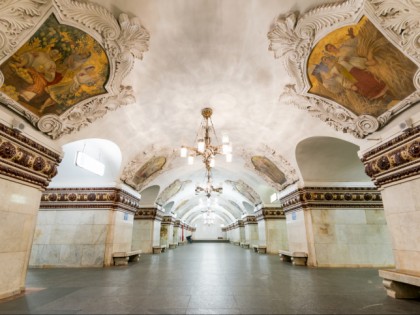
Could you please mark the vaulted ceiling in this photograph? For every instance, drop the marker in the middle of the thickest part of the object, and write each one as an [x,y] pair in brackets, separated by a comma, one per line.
[221,54]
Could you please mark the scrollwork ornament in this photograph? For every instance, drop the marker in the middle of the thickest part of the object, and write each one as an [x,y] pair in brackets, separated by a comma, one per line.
[366,124]
[124,40]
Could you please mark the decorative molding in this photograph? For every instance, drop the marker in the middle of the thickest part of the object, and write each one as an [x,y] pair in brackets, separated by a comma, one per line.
[23,159]
[170,191]
[238,224]
[331,198]
[282,164]
[123,40]
[177,223]
[270,213]
[245,190]
[293,37]
[149,213]
[168,220]
[394,160]
[250,219]
[89,198]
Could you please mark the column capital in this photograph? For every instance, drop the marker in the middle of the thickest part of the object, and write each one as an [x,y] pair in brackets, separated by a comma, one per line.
[394,160]
[332,197]
[149,213]
[89,198]
[270,213]
[24,160]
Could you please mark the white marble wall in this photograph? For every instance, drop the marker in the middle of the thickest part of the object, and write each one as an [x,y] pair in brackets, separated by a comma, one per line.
[164,235]
[296,232]
[18,211]
[242,234]
[402,210]
[251,234]
[80,238]
[276,235]
[208,232]
[146,234]
[262,237]
[351,238]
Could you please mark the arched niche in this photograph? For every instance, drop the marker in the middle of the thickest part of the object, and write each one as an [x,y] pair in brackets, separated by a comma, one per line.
[103,151]
[149,195]
[168,207]
[248,207]
[327,159]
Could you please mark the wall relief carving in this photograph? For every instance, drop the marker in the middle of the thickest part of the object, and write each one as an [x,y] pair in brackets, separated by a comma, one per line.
[345,59]
[62,62]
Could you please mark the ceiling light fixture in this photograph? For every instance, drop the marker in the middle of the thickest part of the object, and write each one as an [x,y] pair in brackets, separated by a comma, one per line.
[208,151]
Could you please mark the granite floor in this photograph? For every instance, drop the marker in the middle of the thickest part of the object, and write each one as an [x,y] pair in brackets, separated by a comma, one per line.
[206,278]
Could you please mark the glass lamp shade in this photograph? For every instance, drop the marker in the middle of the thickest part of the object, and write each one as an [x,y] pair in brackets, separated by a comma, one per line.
[184,152]
[200,145]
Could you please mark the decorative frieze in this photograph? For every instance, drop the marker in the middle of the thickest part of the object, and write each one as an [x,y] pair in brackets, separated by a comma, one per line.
[168,220]
[23,159]
[250,219]
[177,223]
[270,213]
[88,198]
[151,213]
[394,160]
[332,197]
[238,224]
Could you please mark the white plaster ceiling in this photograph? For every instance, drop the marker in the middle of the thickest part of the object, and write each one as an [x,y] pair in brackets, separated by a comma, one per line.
[209,53]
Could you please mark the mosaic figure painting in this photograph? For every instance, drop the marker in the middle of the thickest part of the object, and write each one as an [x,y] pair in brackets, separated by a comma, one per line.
[58,67]
[360,69]
[152,166]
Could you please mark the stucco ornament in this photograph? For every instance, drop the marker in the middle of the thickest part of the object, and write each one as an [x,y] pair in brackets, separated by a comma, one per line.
[123,40]
[279,161]
[170,191]
[245,190]
[293,39]
[151,163]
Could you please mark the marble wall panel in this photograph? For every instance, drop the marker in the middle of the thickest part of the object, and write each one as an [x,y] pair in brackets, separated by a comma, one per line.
[276,234]
[343,237]
[296,232]
[142,235]
[18,211]
[251,234]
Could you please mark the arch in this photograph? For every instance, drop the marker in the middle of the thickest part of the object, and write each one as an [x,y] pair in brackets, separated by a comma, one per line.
[168,207]
[149,195]
[248,207]
[104,151]
[328,159]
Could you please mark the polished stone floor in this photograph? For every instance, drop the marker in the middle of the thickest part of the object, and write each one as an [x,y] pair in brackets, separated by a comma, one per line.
[207,278]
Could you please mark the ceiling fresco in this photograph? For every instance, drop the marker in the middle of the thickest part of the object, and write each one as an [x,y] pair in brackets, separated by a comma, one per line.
[58,67]
[359,68]
[267,167]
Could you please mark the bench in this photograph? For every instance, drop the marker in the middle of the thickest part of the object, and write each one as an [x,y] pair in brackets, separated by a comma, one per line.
[401,284]
[235,243]
[244,245]
[260,249]
[159,249]
[173,245]
[297,258]
[122,258]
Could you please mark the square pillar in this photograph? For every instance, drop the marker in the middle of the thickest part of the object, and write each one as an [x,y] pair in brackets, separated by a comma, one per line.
[146,231]
[272,229]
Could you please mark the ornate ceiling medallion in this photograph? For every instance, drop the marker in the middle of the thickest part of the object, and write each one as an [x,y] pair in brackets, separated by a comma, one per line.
[356,63]
[62,62]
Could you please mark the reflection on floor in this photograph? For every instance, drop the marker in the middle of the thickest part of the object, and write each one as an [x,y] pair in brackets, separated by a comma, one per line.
[206,278]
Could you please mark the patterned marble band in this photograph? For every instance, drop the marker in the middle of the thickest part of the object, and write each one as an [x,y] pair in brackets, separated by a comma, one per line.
[270,213]
[151,213]
[26,160]
[83,198]
[239,223]
[394,160]
[332,197]
[177,223]
[250,219]
[168,220]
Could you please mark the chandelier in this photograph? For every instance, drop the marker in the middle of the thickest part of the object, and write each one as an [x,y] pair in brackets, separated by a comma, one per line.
[204,147]
[208,217]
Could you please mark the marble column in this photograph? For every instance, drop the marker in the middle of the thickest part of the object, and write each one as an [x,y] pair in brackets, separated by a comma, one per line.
[27,165]
[272,229]
[146,230]
[177,232]
[251,230]
[394,166]
[337,226]
[83,227]
[167,230]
